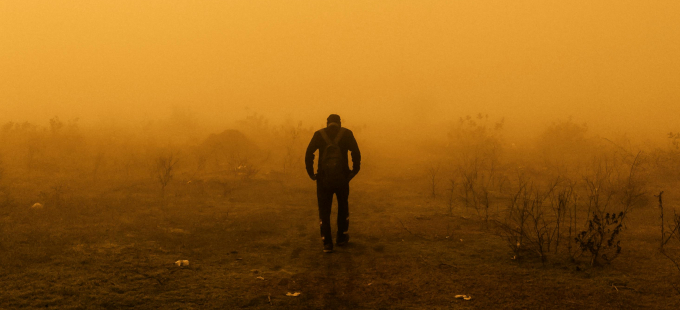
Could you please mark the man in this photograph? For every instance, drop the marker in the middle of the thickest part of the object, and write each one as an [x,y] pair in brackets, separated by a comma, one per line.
[334,139]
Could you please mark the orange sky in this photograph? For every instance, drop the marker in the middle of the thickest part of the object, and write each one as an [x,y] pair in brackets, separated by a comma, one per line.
[613,64]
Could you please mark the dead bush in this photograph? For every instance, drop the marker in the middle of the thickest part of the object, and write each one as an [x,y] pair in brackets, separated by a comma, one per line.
[163,169]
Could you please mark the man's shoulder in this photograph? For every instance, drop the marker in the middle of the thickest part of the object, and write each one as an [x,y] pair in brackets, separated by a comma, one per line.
[346,131]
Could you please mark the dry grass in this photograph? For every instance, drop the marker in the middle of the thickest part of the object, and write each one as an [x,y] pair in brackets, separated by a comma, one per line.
[113,246]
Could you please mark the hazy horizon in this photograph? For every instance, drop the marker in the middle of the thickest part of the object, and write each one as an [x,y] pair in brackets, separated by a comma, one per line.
[610,64]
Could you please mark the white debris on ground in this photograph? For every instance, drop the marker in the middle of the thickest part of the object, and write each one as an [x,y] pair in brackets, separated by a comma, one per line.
[37,205]
[296,294]
[182,263]
[465,297]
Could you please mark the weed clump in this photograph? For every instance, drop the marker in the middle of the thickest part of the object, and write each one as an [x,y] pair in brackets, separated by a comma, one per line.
[601,240]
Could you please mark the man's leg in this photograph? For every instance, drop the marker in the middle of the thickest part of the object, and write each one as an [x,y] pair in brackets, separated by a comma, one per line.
[325,200]
[343,213]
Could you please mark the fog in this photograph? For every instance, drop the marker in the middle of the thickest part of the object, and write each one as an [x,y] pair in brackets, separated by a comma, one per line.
[152,154]
[398,64]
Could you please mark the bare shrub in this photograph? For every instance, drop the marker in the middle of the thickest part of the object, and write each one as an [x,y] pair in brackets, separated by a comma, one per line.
[565,146]
[673,234]
[560,201]
[607,188]
[163,169]
[513,227]
[451,193]
[632,191]
[673,227]
[293,156]
[433,178]
[231,155]
[601,239]
[667,161]
[528,225]
[475,146]
[476,187]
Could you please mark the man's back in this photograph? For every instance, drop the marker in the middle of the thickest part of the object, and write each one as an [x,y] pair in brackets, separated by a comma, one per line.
[330,184]
[347,143]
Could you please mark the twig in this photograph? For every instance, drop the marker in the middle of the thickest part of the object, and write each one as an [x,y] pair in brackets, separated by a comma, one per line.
[404,226]
[677,265]
[662,223]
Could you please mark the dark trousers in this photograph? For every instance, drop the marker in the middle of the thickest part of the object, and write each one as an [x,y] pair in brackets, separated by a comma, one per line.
[325,198]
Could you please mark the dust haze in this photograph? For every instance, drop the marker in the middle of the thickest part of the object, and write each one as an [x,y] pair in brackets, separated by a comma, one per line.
[134,134]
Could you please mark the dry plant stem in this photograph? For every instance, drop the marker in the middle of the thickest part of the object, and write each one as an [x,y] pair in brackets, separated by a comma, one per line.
[632,192]
[572,228]
[486,206]
[163,170]
[433,172]
[674,261]
[662,222]
[291,158]
[676,222]
[675,229]
[513,228]
[563,199]
[529,224]
[452,187]
[665,240]
[407,230]
[572,215]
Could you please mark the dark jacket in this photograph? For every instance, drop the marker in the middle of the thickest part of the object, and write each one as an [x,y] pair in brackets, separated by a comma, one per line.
[346,143]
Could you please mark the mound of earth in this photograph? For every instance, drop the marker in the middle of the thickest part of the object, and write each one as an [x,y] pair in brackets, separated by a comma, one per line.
[228,148]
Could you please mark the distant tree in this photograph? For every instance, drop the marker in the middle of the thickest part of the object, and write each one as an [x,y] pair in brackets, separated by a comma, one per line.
[565,145]
[163,169]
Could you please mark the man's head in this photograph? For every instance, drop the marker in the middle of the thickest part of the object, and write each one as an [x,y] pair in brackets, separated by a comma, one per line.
[333,120]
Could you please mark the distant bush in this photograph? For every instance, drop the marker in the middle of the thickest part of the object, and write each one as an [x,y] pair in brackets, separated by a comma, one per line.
[566,147]
[290,142]
[163,169]
[476,141]
[57,148]
[537,218]
[666,161]
[475,147]
[227,151]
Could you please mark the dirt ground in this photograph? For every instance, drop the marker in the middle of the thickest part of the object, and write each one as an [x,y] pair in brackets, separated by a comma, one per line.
[105,245]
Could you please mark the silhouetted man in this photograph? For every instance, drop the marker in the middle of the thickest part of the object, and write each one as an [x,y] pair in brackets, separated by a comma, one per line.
[333,176]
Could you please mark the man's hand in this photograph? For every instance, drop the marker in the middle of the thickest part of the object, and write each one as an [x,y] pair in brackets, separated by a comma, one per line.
[313,177]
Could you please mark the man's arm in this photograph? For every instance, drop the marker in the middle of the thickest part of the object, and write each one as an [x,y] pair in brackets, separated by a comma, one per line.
[356,155]
[309,156]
